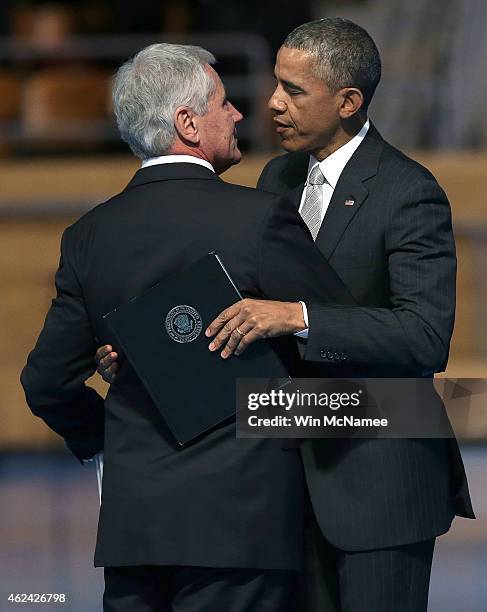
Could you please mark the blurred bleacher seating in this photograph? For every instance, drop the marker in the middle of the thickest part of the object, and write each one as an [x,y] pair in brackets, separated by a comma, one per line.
[65,107]
[57,93]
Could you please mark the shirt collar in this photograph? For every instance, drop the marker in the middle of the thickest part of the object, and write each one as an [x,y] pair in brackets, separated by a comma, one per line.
[174,159]
[333,165]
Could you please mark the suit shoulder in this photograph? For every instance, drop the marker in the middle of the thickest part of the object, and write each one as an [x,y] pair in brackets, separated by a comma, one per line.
[394,159]
[83,230]
[254,210]
[284,172]
[253,198]
[287,161]
[92,216]
[280,161]
[406,182]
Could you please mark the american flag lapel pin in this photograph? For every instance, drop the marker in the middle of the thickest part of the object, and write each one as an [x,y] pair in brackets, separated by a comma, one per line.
[349,202]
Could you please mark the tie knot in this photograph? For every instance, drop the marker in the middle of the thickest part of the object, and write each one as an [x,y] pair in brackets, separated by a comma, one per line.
[316,176]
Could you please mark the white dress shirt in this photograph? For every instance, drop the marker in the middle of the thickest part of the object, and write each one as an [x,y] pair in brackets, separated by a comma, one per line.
[174,159]
[331,167]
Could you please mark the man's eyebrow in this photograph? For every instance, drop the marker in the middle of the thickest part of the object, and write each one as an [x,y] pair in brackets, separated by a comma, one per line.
[291,85]
[288,84]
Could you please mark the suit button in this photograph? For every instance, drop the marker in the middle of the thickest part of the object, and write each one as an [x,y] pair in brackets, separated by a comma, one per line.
[330,355]
[336,356]
[344,357]
[323,353]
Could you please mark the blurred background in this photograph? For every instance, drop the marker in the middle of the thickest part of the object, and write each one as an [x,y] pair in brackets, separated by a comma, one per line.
[60,154]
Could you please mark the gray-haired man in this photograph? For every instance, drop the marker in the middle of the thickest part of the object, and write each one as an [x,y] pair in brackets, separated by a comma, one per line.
[215,526]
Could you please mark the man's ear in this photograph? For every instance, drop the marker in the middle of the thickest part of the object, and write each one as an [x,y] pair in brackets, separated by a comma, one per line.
[185,124]
[352,102]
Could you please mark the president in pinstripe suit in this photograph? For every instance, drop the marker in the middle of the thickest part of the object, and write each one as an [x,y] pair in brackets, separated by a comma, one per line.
[384,224]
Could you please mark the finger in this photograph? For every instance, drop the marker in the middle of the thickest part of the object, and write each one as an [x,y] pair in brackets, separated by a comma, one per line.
[226,315]
[237,338]
[223,336]
[250,338]
[109,374]
[107,361]
[103,351]
[216,325]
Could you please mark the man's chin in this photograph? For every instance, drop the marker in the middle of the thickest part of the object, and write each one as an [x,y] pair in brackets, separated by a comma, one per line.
[289,144]
[224,165]
[237,156]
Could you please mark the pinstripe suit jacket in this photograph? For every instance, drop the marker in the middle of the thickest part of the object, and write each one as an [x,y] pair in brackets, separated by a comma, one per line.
[395,252]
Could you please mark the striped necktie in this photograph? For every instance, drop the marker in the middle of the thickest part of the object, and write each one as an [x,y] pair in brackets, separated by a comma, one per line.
[313,203]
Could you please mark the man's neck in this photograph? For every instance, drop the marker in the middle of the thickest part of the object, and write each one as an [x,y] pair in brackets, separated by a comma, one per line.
[179,148]
[346,131]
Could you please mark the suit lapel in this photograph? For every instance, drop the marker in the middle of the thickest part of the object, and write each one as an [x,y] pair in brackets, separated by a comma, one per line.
[339,214]
[350,192]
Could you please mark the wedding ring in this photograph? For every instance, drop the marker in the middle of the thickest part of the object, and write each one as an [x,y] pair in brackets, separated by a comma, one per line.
[240,332]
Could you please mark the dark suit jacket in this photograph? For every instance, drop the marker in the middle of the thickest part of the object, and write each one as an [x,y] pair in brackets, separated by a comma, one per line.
[395,252]
[220,502]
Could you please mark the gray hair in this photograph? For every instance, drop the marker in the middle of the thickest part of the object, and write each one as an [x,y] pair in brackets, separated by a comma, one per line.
[148,88]
[345,55]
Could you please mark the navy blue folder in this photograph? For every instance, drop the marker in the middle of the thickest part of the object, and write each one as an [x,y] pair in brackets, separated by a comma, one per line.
[162,334]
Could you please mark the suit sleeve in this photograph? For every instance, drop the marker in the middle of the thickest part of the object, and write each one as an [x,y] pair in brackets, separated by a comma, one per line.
[290,266]
[414,333]
[63,358]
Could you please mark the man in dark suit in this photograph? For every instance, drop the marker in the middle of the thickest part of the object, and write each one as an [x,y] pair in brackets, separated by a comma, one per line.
[215,526]
[384,224]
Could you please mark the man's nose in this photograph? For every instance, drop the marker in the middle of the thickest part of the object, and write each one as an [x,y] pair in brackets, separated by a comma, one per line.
[276,102]
[237,115]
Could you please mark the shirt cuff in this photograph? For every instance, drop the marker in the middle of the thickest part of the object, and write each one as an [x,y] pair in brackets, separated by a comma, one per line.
[304,332]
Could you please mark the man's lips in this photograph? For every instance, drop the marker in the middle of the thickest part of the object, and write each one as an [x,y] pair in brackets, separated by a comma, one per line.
[281,126]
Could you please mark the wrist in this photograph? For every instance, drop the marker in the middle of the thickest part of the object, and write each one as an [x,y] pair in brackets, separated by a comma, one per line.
[297,321]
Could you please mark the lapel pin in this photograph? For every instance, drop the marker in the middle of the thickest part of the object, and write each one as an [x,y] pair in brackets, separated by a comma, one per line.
[349,202]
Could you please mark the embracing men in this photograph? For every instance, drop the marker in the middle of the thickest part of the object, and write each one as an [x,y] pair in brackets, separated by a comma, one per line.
[218,525]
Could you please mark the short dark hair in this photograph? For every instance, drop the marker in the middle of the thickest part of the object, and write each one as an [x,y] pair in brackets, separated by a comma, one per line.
[345,54]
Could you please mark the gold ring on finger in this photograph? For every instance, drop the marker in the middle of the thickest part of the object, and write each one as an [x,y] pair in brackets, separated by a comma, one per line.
[240,332]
